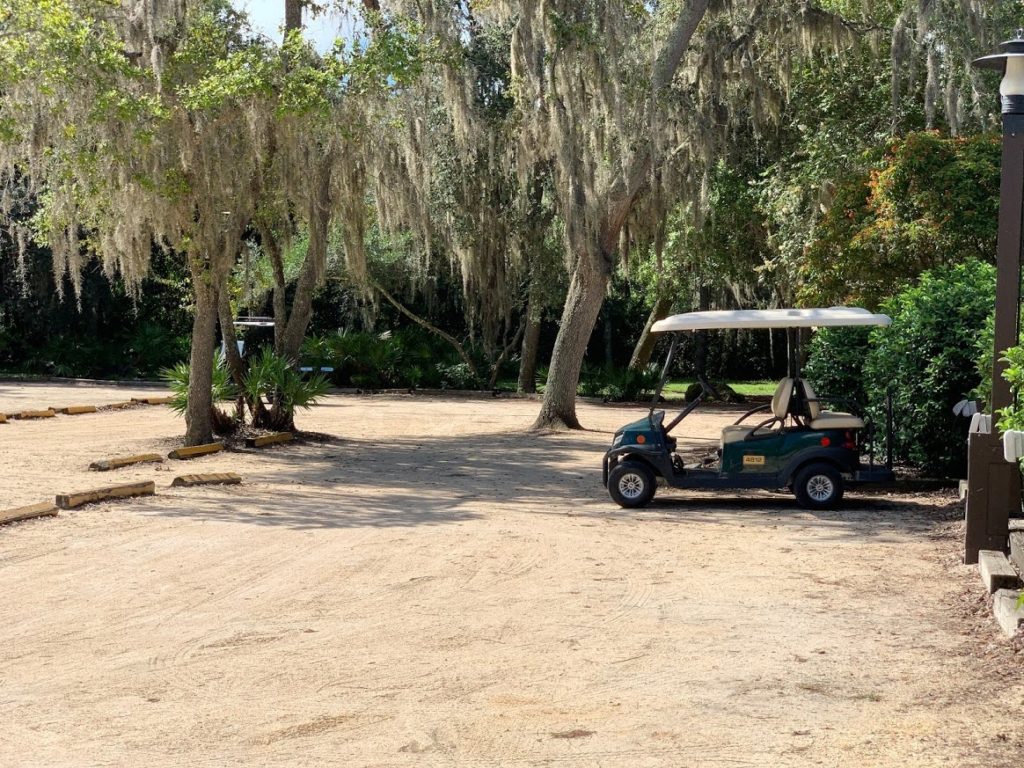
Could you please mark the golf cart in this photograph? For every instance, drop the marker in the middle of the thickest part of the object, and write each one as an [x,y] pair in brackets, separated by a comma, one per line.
[790,443]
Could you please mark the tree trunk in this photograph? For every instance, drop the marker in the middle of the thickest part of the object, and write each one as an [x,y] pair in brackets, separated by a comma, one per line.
[528,364]
[234,358]
[272,248]
[312,268]
[505,352]
[582,306]
[592,271]
[199,412]
[227,332]
[700,356]
[645,344]
[609,350]
[292,15]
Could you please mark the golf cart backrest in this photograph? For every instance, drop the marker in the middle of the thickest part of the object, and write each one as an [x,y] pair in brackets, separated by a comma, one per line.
[782,398]
[809,396]
[821,419]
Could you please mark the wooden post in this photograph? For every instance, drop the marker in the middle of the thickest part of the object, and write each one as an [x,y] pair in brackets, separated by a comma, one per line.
[993,484]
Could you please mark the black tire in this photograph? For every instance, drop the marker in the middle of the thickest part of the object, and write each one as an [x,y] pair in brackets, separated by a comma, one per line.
[631,484]
[818,486]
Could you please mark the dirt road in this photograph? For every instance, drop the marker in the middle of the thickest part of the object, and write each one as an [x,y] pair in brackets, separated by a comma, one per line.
[433,585]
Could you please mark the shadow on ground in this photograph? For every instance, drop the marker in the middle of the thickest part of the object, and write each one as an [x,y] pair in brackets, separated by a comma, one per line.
[344,483]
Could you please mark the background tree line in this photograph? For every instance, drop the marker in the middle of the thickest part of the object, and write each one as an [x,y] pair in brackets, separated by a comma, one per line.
[462,194]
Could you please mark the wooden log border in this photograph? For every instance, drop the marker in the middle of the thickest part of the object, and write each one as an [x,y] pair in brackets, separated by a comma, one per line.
[215,478]
[193,451]
[44,414]
[105,465]
[78,498]
[75,410]
[45,509]
[164,400]
[273,439]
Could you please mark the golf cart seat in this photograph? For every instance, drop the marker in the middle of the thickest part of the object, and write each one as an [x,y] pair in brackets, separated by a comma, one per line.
[820,419]
[780,410]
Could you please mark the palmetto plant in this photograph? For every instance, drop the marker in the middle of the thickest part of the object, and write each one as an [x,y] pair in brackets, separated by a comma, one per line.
[273,388]
[224,390]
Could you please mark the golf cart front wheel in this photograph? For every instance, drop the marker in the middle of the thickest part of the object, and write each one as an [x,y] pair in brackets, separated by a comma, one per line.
[631,484]
[818,486]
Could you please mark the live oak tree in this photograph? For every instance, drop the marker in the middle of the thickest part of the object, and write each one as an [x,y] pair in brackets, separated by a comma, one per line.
[138,125]
[634,103]
[445,173]
[625,106]
[110,126]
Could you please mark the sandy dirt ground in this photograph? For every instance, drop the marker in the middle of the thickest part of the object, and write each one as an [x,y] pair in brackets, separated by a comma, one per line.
[430,584]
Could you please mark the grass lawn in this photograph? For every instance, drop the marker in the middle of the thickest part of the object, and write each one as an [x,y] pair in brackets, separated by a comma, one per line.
[678,388]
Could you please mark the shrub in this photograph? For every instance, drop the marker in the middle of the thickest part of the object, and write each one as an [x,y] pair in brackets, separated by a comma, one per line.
[928,201]
[272,388]
[927,359]
[408,357]
[835,363]
[456,376]
[618,384]
[1013,416]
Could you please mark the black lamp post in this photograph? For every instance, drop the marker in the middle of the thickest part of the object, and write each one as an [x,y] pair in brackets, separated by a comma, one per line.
[993,484]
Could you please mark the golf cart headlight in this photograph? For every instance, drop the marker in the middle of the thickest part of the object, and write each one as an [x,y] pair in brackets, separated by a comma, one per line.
[618,439]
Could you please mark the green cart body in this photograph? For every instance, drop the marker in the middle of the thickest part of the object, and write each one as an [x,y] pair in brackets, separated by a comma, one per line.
[814,452]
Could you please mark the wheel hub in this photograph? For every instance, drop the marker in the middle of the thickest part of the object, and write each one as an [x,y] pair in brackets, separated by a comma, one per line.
[820,488]
[631,485]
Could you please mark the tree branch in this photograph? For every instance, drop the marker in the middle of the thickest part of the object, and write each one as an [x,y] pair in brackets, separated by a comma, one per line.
[424,323]
[507,351]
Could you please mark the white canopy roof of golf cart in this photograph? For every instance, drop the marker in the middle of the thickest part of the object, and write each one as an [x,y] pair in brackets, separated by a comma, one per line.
[770,318]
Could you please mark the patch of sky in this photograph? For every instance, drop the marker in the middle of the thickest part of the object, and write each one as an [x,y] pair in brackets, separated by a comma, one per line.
[322,29]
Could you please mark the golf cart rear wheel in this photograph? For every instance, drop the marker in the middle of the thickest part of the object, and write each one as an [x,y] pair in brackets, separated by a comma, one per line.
[631,484]
[818,486]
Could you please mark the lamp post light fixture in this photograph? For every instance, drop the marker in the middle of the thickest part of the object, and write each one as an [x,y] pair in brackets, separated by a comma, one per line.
[993,484]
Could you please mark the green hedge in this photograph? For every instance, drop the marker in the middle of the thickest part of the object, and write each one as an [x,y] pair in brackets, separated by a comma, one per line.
[927,358]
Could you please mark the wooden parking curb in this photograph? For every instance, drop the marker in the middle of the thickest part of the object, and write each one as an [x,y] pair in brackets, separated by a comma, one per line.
[105,465]
[121,406]
[153,400]
[3,418]
[216,478]
[45,509]
[74,410]
[47,414]
[265,440]
[195,450]
[996,571]
[1009,616]
[1017,548]
[78,498]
